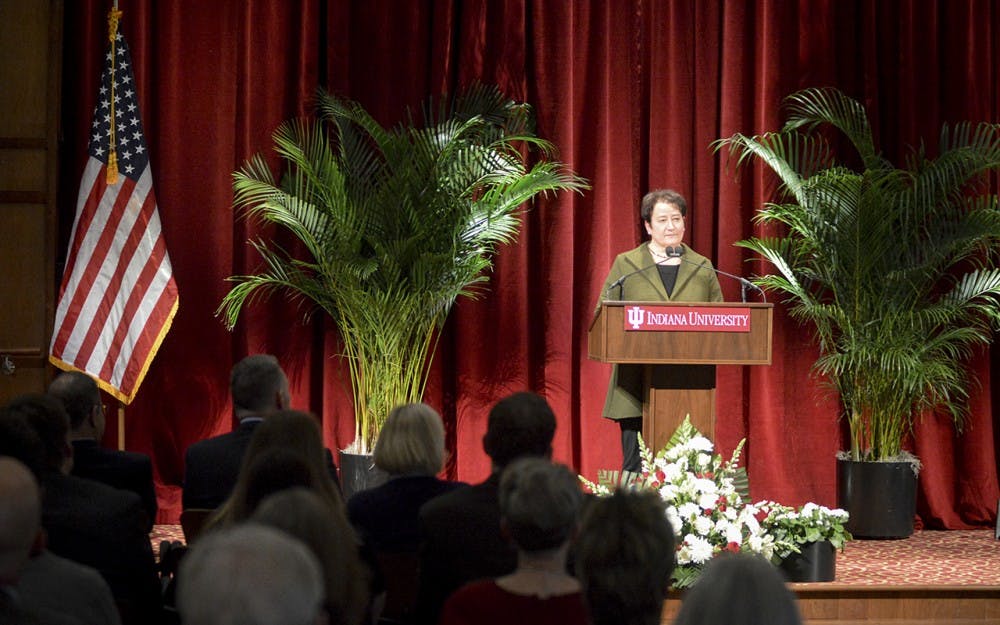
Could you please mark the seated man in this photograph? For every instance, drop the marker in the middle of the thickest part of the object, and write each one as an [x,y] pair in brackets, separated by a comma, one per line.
[86,521]
[250,575]
[54,589]
[461,533]
[122,469]
[258,386]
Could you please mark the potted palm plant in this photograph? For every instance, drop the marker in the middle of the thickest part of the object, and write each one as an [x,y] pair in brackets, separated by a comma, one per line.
[894,268]
[391,227]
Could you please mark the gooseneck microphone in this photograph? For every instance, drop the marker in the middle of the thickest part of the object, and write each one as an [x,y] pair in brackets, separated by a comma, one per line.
[678,252]
[620,282]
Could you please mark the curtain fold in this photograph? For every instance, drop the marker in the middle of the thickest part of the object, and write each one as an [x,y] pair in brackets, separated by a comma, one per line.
[633,93]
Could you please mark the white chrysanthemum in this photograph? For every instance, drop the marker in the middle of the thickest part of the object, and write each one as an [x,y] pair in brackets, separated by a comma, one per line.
[731,513]
[668,492]
[700,550]
[675,520]
[672,472]
[683,555]
[706,486]
[734,534]
[700,443]
[704,525]
[708,501]
[688,510]
[704,460]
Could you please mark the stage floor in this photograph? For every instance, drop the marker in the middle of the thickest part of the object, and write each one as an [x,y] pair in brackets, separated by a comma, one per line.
[928,558]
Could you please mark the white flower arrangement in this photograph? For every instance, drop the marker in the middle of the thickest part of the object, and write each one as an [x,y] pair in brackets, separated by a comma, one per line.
[708,505]
[792,528]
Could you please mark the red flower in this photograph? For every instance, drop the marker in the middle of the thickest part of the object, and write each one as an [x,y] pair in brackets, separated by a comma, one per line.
[733,547]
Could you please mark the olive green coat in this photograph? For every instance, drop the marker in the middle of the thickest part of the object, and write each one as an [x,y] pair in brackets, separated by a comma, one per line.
[696,282]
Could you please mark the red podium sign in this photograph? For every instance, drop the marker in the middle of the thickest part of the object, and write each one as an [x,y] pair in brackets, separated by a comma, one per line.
[647,318]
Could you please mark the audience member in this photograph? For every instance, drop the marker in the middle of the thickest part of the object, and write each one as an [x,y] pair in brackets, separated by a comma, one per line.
[410,450]
[461,534]
[250,575]
[87,521]
[290,430]
[324,529]
[20,516]
[624,556]
[54,589]
[739,589]
[539,504]
[258,386]
[122,469]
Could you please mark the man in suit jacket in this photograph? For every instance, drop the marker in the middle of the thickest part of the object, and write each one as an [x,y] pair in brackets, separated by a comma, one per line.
[461,529]
[86,521]
[127,470]
[663,269]
[258,386]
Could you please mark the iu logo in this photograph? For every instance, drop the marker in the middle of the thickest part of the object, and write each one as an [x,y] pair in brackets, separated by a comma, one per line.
[635,316]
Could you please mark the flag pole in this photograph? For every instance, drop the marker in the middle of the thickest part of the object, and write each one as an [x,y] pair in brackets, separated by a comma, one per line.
[121,426]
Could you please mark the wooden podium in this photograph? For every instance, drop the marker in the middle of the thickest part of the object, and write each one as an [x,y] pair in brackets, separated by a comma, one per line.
[739,334]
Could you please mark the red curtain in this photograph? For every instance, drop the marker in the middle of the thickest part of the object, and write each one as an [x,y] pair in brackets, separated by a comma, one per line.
[633,93]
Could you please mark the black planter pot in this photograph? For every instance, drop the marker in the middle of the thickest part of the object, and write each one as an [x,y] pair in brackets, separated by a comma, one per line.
[358,472]
[881,497]
[817,562]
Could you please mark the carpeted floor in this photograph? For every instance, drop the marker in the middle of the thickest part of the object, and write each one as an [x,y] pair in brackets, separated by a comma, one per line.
[945,558]
[952,558]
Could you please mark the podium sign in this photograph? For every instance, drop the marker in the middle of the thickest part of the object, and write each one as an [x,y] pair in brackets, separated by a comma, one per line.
[690,339]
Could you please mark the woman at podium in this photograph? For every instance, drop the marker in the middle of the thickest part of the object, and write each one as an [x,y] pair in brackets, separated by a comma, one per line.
[661,269]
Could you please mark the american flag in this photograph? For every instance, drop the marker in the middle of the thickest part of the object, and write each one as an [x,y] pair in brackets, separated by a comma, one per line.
[118,295]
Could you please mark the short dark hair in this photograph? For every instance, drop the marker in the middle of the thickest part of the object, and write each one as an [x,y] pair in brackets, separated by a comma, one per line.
[521,424]
[739,589]
[78,393]
[657,196]
[255,381]
[19,440]
[47,417]
[539,503]
[624,557]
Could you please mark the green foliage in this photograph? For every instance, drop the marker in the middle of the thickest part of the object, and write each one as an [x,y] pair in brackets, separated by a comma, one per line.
[895,268]
[392,226]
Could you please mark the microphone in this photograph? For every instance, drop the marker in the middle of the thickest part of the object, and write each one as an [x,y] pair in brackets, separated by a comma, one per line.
[620,282]
[678,252]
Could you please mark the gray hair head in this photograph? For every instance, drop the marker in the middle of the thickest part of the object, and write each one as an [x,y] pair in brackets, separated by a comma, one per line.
[249,575]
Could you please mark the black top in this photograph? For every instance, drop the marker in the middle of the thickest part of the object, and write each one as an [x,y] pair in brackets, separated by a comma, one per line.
[668,274]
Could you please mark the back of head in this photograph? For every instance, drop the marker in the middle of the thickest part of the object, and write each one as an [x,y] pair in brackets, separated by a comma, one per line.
[78,393]
[255,383]
[739,589]
[19,440]
[411,441]
[539,503]
[249,575]
[624,557]
[521,424]
[48,419]
[326,531]
[276,470]
[298,434]
[20,517]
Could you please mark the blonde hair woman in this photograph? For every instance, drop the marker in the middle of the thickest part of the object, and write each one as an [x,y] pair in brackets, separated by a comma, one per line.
[410,449]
